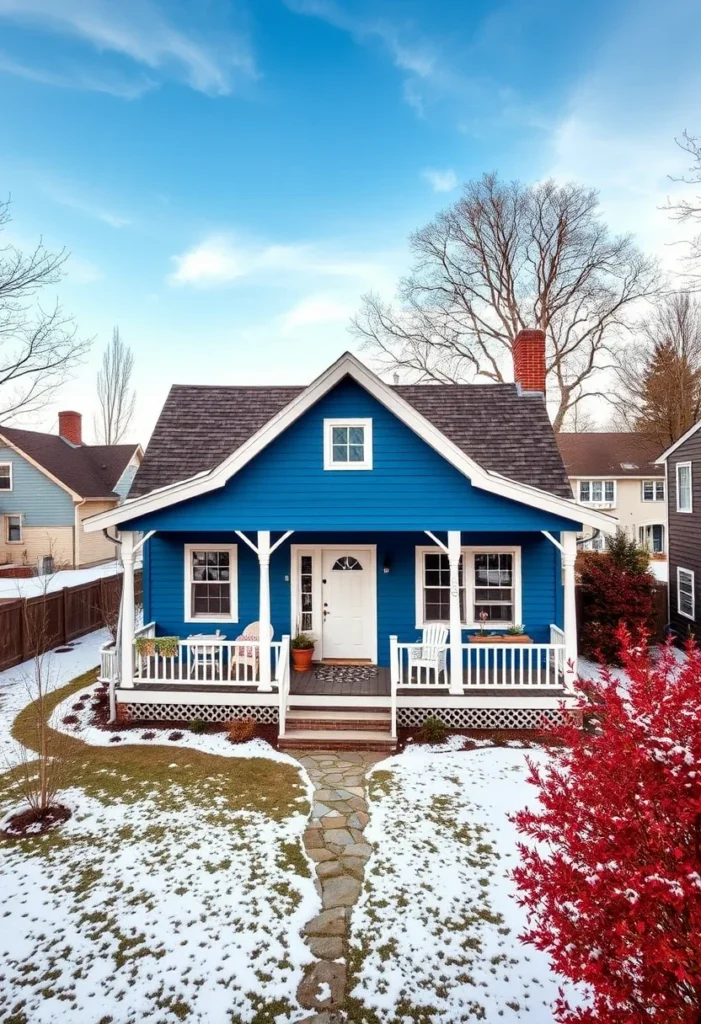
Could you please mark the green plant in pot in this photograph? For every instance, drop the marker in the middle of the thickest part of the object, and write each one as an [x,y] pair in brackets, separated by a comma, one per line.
[302,647]
[145,646]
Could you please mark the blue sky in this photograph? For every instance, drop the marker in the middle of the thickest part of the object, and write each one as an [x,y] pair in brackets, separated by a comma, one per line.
[232,175]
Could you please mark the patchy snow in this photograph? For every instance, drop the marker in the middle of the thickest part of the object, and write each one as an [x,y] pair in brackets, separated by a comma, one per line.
[437,924]
[37,585]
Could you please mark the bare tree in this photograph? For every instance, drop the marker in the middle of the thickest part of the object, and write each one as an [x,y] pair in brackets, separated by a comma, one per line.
[659,376]
[688,211]
[114,392]
[505,257]
[38,346]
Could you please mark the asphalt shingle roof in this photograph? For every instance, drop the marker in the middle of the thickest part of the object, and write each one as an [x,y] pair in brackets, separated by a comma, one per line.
[610,454]
[497,426]
[92,471]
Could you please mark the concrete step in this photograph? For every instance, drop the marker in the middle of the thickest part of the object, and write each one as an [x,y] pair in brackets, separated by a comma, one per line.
[337,739]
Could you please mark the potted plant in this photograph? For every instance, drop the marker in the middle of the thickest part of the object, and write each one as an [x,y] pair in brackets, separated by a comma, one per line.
[145,646]
[167,646]
[302,647]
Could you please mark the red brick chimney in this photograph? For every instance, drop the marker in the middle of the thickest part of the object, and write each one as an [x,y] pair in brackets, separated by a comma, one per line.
[70,426]
[529,360]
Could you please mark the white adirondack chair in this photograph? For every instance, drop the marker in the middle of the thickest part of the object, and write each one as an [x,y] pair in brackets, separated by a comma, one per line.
[247,656]
[431,655]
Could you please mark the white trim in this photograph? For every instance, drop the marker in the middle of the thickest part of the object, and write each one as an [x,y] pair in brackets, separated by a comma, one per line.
[233,615]
[366,424]
[8,517]
[648,526]
[6,490]
[677,467]
[316,550]
[680,441]
[59,483]
[654,480]
[616,476]
[692,574]
[348,365]
[468,581]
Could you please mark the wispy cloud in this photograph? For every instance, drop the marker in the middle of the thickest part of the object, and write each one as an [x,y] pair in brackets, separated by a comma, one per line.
[79,78]
[67,196]
[135,29]
[316,309]
[441,181]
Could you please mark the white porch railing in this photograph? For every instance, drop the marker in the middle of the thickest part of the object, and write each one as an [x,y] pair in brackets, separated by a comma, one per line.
[206,660]
[282,680]
[109,662]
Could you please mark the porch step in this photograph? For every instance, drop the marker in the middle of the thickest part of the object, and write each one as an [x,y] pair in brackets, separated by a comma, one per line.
[338,719]
[337,739]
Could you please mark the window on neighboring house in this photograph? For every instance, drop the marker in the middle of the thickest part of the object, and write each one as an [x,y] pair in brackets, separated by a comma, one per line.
[651,536]
[5,476]
[210,582]
[595,491]
[686,598]
[14,529]
[653,490]
[597,542]
[684,498]
[347,444]
[487,581]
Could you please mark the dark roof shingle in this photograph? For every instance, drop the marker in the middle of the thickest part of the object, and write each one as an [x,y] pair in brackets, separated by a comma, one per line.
[92,471]
[501,429]
[610,454]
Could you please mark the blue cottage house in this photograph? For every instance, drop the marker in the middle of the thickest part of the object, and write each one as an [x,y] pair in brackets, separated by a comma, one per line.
[423,535]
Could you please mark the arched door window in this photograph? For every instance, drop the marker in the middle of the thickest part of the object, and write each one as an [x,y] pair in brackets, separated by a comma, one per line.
[346,563]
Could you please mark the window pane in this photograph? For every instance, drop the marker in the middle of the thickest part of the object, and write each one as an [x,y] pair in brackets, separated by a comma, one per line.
[495,612]
[306,564]
[340,453]
[357,453]
[596,490]
[584,491]
[356,435]
[659,490]
[608,490]
[339,435]
[4,478]
[647,490]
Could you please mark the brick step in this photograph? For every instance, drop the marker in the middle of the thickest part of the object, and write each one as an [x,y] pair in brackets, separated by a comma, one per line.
[339,719]
[337,739]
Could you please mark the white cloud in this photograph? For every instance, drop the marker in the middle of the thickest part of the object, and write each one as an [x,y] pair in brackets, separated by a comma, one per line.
[441,181]
[316,309]
[133,29]
[114,85]
[95,210]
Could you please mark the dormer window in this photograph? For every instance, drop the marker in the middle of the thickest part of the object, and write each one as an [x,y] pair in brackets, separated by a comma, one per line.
[348,444]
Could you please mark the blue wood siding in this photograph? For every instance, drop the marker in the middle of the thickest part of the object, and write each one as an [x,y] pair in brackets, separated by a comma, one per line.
[40,500]
[411,487]
[164,582]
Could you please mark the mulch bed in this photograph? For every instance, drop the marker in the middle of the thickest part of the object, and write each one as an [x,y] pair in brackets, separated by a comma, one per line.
[30,823]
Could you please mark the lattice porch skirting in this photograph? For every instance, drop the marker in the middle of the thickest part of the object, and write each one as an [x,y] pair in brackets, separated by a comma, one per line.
[266,715]
[480,718]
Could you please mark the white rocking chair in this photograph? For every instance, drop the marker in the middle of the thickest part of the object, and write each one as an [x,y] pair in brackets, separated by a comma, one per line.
[248,657]
[431,655]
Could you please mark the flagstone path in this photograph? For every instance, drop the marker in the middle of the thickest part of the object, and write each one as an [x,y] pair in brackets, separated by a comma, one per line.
[334,841]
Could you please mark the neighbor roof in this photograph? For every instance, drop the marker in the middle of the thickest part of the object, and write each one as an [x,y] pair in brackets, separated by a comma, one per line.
[496,425]
[91,471]
[611,454]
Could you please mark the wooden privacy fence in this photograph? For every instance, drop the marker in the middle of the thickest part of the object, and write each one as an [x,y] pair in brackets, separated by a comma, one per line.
[661,616]
[30,626]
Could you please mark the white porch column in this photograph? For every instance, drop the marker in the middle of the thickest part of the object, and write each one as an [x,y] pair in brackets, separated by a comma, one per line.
[264,684]
[127,637]
[454,552]
[569,555]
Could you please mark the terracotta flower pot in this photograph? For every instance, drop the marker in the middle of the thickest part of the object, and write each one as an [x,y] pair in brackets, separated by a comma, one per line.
[302,659]
[506,638]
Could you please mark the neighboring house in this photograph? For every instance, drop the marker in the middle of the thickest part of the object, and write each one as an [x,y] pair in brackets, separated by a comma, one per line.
[361,513]
[618,472]
[50,484]
[681,463]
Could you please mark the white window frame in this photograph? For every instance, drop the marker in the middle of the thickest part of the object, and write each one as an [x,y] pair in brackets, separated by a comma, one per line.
[690,573]
[8,517]
[6,490]
[656,482]
[685,465]
[233,615]
[644,527]
[468,554]
[328,446]
[601,501]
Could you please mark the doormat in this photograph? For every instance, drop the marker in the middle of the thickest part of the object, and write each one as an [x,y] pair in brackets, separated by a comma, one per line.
[345,673]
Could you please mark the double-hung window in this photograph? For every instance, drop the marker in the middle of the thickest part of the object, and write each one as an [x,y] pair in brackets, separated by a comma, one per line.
[210,583]
[14,529]
[684,478]
[653,490]
[488,587]
[597,491]
[686,594]
[348,444]
[651,536]
[5,476]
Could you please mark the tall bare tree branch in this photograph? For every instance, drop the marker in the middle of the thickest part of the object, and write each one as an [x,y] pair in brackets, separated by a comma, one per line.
[688,211]
[505,257]
[114,392]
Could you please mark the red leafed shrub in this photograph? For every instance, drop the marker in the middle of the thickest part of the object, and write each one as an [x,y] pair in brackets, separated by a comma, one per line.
[613,887]
[240,730]
[616,588]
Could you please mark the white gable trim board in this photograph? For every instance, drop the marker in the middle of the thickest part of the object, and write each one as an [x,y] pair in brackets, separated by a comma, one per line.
[348,365]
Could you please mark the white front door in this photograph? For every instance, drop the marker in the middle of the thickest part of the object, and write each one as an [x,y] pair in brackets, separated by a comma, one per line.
[347,589]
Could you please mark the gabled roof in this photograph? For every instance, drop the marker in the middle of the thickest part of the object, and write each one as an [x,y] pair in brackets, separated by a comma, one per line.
[680,441]
[87,471]
[209,474]
[610,454]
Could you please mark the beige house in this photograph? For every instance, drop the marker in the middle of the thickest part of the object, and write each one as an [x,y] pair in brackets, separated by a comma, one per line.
[617,473]
[49,485]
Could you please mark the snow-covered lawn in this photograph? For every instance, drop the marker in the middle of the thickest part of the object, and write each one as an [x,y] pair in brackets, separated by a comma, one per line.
[435,933]
[37,585]
[177,890]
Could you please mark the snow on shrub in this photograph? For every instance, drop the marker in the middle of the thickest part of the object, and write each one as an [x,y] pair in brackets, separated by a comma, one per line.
[612,883]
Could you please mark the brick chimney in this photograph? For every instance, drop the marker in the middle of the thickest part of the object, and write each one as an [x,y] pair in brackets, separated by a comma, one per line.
[529,360]
[70,426]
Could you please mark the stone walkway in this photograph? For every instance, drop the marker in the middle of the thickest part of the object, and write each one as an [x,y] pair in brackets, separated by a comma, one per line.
[334,841]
